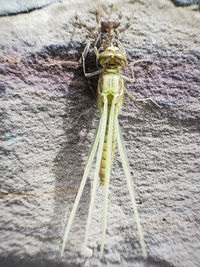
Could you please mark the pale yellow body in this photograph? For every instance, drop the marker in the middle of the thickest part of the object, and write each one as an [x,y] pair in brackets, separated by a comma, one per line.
[109,102]
[110,84]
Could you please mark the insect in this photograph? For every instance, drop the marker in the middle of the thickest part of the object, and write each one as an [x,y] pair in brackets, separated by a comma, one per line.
[107,30]
[109,101]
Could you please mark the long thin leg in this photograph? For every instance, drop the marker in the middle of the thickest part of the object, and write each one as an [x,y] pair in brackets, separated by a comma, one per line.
[60,63]
[120,45]
[82,185]
[96,174]
[97,55]
[97,40]
[132,79]
[136,62]
[82,113]
[84,55]
[98,72]
[128,79]
[128,24]
[98,15]
[149,99]
[90,29]
[87,47]
[107,174]
[125,165]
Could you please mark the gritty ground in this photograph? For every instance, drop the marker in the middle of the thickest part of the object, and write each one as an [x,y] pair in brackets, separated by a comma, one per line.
[43,152]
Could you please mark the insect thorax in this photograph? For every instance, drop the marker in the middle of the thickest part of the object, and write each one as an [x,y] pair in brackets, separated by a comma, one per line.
[110,85]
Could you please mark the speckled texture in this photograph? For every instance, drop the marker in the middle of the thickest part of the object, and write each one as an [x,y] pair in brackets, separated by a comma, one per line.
[42,150]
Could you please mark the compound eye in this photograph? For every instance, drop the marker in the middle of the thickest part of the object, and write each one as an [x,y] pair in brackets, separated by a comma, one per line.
[104,25]
[116,24]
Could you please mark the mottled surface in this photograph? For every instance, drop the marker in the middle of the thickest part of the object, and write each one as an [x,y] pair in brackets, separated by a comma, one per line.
[42,150]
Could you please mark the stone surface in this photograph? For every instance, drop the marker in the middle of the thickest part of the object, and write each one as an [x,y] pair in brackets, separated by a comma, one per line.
[43,152]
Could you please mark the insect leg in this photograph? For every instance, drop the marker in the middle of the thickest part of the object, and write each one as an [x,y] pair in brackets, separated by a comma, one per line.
[139,61]
[98,15]
[82,185]
[128,79]
[60,63]
[136,62]
[96,49]
[96,42]
[149,99]
[84,55]
[107,173]
[82,114]
[93,73]
[128,24]
[125,164]
[90,29]
[120,45]
[96,174]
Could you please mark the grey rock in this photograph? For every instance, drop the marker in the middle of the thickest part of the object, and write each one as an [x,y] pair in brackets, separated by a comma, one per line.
[43,153]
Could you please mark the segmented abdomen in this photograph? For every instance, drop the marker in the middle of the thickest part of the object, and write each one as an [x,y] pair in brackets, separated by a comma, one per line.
[103,159]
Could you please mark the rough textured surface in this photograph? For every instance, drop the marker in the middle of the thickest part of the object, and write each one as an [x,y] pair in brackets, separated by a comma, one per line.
[42,150]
